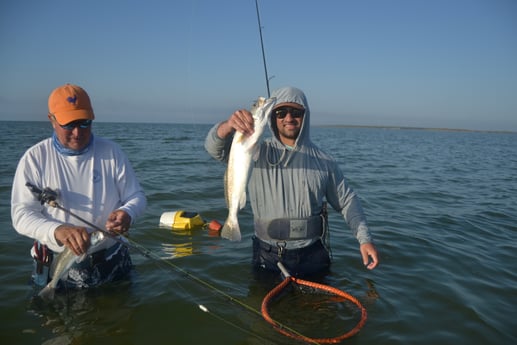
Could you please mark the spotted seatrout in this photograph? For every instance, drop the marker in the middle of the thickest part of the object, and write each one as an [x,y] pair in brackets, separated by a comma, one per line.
[239,167]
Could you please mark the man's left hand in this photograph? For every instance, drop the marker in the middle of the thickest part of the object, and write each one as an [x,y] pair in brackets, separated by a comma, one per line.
[118,221]
[370,255]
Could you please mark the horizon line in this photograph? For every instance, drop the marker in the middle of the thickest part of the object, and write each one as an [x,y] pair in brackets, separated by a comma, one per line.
[318,125]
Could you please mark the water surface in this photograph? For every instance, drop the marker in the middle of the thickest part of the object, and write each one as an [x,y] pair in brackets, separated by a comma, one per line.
[442,206]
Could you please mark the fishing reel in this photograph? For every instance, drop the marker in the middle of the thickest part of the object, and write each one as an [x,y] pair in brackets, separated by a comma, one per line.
[46,195]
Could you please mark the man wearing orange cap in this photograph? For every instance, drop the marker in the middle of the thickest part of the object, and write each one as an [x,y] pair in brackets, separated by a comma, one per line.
[93,179]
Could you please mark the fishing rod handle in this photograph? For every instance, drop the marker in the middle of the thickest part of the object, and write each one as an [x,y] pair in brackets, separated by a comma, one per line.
[284,270]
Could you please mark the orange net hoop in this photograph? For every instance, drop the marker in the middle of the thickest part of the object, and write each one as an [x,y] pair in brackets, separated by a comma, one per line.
[293,334]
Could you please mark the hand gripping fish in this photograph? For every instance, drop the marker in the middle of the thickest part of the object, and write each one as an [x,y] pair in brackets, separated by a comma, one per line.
[62,264]
[239,167]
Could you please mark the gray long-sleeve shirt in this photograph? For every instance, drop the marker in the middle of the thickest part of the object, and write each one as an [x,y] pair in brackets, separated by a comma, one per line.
[294,182]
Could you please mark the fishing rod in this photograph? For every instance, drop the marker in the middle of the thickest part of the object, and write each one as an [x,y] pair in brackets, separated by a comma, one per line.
[262,46]
[49,196]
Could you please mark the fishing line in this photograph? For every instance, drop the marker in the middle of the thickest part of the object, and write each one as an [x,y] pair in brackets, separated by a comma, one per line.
[48,196]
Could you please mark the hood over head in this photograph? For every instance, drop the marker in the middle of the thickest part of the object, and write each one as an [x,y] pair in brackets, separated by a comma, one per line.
[290,94]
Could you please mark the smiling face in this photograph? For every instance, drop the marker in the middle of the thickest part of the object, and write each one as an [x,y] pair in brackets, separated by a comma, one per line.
[288,118]
[75,136]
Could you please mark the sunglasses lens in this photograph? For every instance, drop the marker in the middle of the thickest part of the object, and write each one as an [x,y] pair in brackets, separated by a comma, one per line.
[81,124]
[85,124]
[297,112]
[282,112]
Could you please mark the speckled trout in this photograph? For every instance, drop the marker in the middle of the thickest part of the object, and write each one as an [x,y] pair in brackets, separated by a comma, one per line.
[62,264]
[239,167]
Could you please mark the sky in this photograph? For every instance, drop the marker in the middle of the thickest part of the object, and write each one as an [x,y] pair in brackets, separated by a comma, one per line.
[408,63]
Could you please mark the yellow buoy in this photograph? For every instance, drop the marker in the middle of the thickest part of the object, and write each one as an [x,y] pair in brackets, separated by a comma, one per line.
[182,220]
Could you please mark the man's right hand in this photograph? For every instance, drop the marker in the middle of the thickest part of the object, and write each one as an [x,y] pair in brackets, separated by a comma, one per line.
[240,121]
[74,237]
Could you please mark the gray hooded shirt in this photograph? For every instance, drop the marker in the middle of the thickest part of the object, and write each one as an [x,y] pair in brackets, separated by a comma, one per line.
[293,182]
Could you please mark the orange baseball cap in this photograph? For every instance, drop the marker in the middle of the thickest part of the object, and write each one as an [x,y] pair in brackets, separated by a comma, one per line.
[70,103]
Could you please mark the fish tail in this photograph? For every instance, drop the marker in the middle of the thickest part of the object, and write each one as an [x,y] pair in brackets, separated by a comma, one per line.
[48,292]
[231,230]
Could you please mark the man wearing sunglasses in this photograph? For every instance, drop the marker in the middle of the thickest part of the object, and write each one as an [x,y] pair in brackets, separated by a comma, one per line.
[291,182]
[92,178]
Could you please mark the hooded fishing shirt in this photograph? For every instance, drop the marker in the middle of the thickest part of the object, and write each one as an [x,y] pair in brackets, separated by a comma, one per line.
[91,185]
[294,182]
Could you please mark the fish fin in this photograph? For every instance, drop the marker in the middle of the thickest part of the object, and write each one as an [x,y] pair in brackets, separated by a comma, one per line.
[242,200]
[231,231]
[48,292]
[255,153]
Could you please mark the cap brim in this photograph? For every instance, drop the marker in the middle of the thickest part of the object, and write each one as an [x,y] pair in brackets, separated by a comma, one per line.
[66,117]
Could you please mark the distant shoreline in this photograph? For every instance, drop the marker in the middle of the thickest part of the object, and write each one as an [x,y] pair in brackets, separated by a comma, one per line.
[322,126]
[417,128]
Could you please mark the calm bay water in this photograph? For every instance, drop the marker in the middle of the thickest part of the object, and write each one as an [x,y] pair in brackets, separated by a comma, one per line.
[442,206]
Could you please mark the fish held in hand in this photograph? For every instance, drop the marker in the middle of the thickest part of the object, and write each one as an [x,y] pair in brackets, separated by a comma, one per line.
[62,264]
[239,167]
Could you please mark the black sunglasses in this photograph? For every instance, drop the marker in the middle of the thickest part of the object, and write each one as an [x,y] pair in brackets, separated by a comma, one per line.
[282,112]
[81,124]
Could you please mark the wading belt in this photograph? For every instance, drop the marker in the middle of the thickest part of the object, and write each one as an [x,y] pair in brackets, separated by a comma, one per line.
[289,229]
[283,230]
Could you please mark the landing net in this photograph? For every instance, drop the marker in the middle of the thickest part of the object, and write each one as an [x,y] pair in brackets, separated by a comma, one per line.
[316,288]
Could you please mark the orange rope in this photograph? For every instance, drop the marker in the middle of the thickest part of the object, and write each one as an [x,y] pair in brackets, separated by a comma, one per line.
[292,334]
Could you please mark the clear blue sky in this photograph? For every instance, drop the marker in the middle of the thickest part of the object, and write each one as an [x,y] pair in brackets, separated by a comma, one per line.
[425,63]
